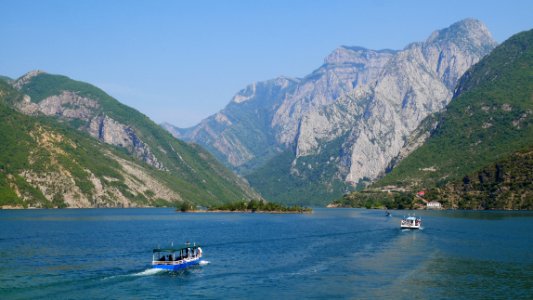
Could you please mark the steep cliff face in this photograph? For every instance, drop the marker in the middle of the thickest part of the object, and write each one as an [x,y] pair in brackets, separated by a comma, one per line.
[480,151]
[489,118]
[369,102]
[241,134]
[264,118]
[68,105]
[112,132]
[415,83]
[344,70]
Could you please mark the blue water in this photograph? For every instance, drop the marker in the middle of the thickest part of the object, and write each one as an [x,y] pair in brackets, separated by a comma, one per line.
[332,253]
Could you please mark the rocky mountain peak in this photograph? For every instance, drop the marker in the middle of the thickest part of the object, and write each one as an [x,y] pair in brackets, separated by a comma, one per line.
[250,91]
[468,32]
[349,118]
[452,50]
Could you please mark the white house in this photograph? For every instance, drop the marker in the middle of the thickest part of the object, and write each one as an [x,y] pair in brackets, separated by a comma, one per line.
[434,205]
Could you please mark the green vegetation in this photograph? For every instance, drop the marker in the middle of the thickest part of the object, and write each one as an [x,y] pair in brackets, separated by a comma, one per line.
[506,184]
[5,78]
[7,195]
[186,206]
[190,171]
[311,181]
[20,151]
[377,199]
[259,206]
[489,119]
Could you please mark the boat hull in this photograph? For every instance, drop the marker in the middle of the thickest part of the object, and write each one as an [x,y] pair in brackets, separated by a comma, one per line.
[410,227]
[175,266]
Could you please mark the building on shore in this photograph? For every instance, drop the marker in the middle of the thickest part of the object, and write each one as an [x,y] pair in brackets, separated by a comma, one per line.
[434,205]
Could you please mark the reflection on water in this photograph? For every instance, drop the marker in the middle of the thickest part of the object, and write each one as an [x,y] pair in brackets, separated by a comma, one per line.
[346,253]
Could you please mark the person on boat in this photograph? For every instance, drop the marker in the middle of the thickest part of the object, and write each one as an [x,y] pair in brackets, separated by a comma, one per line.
[199,252]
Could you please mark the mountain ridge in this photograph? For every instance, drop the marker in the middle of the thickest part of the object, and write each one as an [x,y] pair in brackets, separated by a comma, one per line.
[374,99]
[147,166]
[495,95]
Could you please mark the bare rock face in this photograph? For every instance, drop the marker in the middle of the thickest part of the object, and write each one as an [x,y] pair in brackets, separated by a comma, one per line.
[112,132]
[241,133]
[344,70]
[58,181]
[373,100]
[415,83]
[69,105]
[451,51]
[65,105]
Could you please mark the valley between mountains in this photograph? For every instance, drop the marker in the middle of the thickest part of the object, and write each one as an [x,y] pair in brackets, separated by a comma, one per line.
[450,115]
[345,125]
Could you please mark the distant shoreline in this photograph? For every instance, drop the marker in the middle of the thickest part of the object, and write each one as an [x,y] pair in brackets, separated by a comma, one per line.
[247,211]
[430,209]
[140,207]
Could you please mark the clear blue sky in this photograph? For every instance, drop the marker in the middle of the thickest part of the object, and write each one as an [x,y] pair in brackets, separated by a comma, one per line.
[181,61]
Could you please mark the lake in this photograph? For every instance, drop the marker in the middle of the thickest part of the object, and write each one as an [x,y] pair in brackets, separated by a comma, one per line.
[332,253]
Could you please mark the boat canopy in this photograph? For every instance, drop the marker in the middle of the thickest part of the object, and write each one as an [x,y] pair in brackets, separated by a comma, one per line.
[186,246]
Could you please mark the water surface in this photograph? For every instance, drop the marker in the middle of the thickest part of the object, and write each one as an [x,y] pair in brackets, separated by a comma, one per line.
[332,253]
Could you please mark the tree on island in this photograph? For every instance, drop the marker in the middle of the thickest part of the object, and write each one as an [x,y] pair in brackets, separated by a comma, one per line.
[186,206]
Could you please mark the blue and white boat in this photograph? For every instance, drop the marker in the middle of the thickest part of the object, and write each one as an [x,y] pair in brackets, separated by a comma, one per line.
[411,222]
[174,259]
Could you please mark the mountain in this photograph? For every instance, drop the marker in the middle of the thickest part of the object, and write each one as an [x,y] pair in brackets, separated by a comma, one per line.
[346,123]
[481,148]
[240,135]
[66,143]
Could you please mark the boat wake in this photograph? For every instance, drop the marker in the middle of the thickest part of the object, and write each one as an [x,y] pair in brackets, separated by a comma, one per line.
[151,272]
[411,230]
[148,272]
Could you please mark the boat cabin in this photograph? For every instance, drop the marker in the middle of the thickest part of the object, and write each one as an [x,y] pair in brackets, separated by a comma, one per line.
[411,222]
[184,255]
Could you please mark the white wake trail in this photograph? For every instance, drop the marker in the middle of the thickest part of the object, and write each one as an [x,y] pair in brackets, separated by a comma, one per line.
[148,272]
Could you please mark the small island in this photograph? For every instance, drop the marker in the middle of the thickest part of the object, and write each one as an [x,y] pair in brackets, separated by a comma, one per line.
[252,206]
